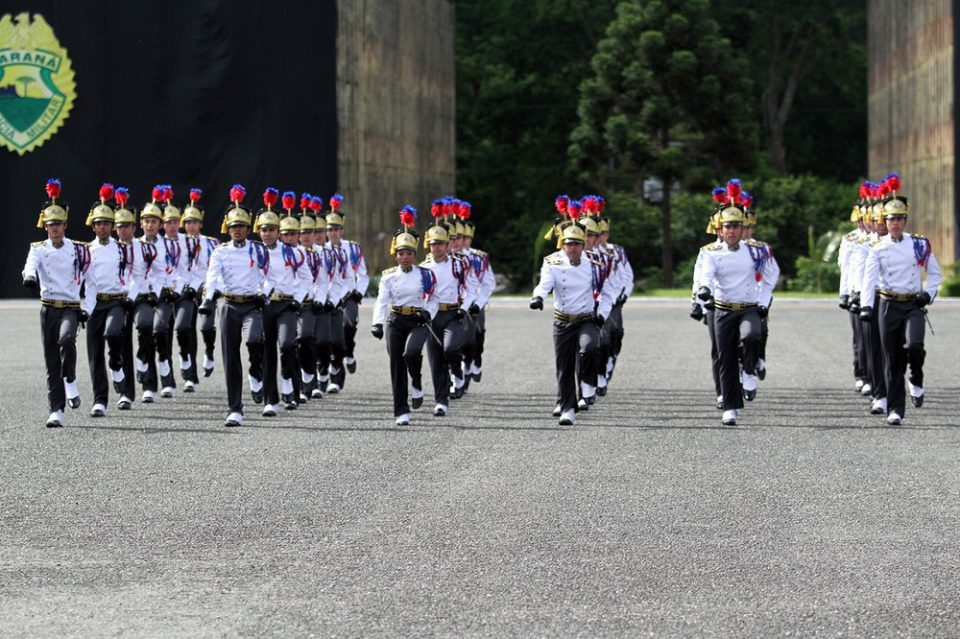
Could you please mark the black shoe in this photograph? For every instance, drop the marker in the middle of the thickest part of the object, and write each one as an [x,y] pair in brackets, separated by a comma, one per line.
[917,401]
[761,373]
[566,422]
[476,377]
[141,377]
[118,386]
[73,402]
[590,400]
[602,391]
[352,368]
[207,372]
[54,424]
[257,397]
[557,411]
[416,402]
[729,422]
[456,393]
[288,402]
[124,404]
[466,383]
[231,423]
[750,395]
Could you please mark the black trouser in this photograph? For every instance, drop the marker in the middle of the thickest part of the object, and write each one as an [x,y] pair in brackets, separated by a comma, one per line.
[240,323]
[279,330]
[163,336]
[573,342]
[351,314]
[405,340]
[208,328]
[445,359]
[901,335]
[58,332]
[144,320]
[733,329]
[129,371]
[185,325]
[714,354]
[321,333]
[337,348]
[873,349]
[306,348]
[856,326]
[614,326]
[105,327]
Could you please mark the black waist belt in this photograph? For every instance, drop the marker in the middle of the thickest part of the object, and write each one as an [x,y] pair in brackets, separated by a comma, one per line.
[280,297]
[449,307]
[405,310]
[572,317]
[239,299]
[111,297]
[898,297]
[733,306]
[60,304]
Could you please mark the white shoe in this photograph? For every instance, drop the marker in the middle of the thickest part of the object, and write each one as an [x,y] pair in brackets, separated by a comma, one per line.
[189,387]
[286,386]
[858,385]
[256,385]
[148,397]
[866,389]
[98,410]
[567,418]
[729,418]
[440,410]
[333,388]
[269,410]
[894,419]
[879,406]
[234,419]
[306,377]
[185,363]
[403,420]
[167,392]
[142,366]
[55,420]
[163,367]
[117,376]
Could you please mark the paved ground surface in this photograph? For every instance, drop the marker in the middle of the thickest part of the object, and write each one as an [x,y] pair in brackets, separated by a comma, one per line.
[810,518]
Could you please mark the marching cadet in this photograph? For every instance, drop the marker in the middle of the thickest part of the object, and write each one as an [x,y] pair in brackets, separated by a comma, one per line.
[871,350]
[451,293]
[894,271]
[622,275]
[456,229]
[335,290]
[107,294]
[487,281]
[285,294]
[171,294]
[132,275]
[238,270]
[198,249]
[406,293]
[57,267]
[844,258]
[581,304]
[749,227]
[697,311]
[591,238]
[341,278]
[736,281]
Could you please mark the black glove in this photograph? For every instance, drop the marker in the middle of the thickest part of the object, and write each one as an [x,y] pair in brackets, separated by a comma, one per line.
[340,304]
[175,297]
[217,295]
[763,311]
[294,306]
[206,307]
[259,301]
[83,316]
[31,283]
[598,320]
[474,310]
[922,299]
[316,307]
[709,304]
[696,312]
[536,303]
[328,306]
[459,314]
[704,293]
[866,314]
[189,293]
[855,303]
[152,300]
[357,296]
[128,304]
[166,296]
[421,317]
[377,331]
[845,302]
[622,299]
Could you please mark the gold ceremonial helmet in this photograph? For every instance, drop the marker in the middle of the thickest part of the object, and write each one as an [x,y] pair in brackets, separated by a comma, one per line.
[125,216]
[468,228]
[192,212]
[171,213]
[403,240]
[895,206]
[572,234]
[266,218]
[749,218]
[151,209]
[100,212]
[589,225]
[856,213]
[236,216]
[604,225]
[436,234]
[52,212]
[730,213]
[289,224]
[308,223]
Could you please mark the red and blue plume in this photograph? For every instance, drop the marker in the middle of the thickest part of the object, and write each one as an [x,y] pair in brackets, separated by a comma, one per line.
[734,189]
[436,208]
[465,210]
[167,193]
[561,203]
[893,181]
[448,205]
[270,196]
[335,201]
[53,188]
[719,195]
[745,200]
[237,193]
[195,194]
[106,192]
[587,202]
[884,189]
[157,193]
[305,201]
[601,203]
[408,216]
[864,190]
[122,196]
[289,200]
[574,208]
[316,203]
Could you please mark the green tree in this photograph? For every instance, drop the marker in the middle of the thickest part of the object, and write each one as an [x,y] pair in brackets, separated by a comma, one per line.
[668,93]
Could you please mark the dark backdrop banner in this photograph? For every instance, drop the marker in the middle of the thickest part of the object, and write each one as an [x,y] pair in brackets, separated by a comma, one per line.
[192,93]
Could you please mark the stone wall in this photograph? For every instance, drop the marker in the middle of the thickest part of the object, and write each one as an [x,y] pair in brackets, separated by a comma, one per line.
[396,113]
[911,112]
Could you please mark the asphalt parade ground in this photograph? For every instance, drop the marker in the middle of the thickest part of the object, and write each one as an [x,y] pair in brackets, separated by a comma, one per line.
[809,518]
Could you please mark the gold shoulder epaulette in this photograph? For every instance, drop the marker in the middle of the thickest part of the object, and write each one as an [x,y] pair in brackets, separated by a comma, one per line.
[479,252]
[37,244]
[390,270]
[851,236]
[80,243]
[712,246]
[876,241]
[553,260]
[918,237]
